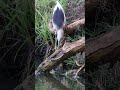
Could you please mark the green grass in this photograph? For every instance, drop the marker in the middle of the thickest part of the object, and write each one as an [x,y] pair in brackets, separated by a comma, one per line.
[16,32]
[42,17]
[109,78]
[107,18]
[39,85]
[43,14]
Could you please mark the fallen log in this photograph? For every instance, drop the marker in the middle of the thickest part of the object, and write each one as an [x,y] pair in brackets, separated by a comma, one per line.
[60,55]
[72,27]
[104,48]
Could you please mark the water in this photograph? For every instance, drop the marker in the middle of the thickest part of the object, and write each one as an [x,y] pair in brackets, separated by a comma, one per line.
[50,82]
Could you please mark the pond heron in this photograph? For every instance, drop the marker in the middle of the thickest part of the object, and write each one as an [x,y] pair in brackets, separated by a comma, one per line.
[58,22]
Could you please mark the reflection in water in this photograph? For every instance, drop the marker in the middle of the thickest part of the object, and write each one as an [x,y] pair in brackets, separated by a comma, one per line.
[50,82]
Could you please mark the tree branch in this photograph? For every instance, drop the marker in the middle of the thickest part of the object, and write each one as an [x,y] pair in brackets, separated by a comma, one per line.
[70,28]
[61,54]
[104,47]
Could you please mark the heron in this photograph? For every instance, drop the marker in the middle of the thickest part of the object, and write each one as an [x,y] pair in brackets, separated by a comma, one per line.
[58,22]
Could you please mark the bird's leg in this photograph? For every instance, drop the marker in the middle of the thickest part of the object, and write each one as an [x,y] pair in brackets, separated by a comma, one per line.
[55,40]
[58,43]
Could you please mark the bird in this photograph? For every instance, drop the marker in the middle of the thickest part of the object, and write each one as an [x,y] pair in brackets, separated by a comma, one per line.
[58,22]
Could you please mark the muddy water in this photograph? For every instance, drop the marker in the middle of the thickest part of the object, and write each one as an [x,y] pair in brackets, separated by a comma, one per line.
[50,82]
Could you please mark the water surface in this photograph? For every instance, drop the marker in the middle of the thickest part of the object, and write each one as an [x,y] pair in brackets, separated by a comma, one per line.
[50,82]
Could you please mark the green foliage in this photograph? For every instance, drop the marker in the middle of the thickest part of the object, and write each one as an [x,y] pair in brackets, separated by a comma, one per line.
[79,33]
[39,85]
[70,61]
[17,24]
[17,35]
[43,14]
[107,18]
[105,76]
[64,3]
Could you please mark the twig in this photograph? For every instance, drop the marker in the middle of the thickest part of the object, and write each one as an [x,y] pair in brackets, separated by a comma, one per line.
[80,69]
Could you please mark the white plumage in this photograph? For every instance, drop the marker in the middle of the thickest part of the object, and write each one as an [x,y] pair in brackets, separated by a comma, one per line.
[58,21]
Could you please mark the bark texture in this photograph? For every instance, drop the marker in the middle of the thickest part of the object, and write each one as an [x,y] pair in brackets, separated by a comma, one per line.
[61,54]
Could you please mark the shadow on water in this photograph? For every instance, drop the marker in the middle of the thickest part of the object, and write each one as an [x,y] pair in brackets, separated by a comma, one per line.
[50,82]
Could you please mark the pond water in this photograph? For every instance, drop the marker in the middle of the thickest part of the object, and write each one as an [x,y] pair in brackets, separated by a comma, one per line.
[55,82]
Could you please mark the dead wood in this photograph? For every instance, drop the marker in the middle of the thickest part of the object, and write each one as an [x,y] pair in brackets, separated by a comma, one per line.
[103,48]
[61,54]
[70,28]
[81,68]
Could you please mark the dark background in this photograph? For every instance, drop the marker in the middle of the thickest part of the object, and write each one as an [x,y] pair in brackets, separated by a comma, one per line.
[17,32]
[17,35]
